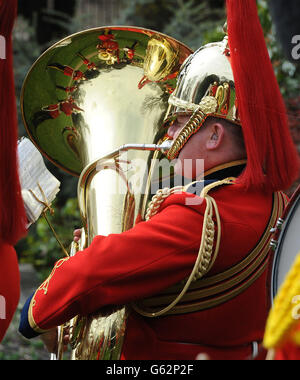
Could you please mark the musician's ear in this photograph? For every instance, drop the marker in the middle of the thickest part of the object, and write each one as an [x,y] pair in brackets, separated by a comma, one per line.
[215,136]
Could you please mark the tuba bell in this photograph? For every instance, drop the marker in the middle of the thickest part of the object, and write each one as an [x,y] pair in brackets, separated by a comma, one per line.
[94,105]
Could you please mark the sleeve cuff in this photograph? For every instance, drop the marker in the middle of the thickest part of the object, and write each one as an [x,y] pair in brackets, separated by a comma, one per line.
[24,328]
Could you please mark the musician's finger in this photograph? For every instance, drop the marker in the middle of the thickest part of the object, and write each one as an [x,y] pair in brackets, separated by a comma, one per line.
[77,232]
[66,341]
[77,235]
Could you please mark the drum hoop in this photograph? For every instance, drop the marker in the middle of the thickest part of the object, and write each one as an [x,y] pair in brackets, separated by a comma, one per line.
[287,216]
[291,203]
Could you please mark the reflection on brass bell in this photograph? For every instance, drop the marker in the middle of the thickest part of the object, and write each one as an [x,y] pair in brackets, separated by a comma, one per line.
[161,59]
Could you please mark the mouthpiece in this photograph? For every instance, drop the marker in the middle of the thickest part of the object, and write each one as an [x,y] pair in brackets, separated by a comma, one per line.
[165,146]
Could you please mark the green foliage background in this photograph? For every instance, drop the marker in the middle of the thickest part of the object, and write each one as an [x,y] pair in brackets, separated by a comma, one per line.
[190,21]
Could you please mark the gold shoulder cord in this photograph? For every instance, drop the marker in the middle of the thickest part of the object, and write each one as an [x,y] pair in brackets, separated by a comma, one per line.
[206,256]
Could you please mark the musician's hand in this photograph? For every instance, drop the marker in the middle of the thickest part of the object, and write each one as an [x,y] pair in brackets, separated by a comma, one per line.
[50,340]
[77,235]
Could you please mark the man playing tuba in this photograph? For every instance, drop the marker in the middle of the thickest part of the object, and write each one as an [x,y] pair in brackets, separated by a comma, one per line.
[195,270]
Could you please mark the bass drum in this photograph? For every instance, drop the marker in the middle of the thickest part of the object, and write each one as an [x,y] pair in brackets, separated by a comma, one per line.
[286,243]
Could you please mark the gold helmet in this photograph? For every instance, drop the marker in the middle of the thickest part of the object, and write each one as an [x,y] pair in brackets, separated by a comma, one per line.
[205,88]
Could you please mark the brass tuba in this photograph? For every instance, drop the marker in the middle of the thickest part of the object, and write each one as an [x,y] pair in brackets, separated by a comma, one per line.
[94,104]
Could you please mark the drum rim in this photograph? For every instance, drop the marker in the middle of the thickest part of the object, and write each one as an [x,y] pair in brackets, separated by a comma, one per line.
[286,217]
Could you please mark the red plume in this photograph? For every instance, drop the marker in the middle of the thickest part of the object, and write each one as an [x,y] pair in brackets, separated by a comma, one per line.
[12,212]
[273,162]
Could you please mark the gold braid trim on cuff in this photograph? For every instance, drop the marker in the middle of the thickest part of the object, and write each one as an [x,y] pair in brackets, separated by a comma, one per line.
[206,254]
[31,320]
[43,287]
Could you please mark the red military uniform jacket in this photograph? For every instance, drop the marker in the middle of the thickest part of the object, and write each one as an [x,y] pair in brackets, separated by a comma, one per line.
[291,351]
[149,258]
[9,286]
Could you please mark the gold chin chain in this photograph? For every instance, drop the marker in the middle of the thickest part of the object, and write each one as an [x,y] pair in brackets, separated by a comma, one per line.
[192,126]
